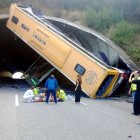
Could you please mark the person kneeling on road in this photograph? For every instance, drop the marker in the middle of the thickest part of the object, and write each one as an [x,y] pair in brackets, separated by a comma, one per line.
[61,94]
[29,95]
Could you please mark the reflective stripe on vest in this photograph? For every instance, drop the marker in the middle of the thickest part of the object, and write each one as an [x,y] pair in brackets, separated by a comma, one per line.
[134,86]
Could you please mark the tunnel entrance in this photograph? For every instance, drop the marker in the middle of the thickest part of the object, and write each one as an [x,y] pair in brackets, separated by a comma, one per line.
[18,75]
[16,55]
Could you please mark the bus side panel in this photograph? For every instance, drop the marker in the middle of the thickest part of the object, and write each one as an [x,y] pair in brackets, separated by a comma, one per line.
[55,51]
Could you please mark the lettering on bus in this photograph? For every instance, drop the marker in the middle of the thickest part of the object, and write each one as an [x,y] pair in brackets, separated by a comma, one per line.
[90,77]
[25,27]
[39,39]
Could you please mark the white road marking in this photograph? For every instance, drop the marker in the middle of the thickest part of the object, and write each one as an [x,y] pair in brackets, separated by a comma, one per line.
[16,100]
[81,102]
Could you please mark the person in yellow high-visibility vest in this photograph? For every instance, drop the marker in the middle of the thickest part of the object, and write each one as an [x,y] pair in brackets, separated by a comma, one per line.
[137,95]
[133,87]
[36,90]
[61,94]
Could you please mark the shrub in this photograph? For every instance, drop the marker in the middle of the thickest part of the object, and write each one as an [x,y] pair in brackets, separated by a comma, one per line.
[124,33]
[101,20]
[134,53]
[90,17]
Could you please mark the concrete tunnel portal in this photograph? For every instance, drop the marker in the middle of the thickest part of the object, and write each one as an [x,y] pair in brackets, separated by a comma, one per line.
[16,55]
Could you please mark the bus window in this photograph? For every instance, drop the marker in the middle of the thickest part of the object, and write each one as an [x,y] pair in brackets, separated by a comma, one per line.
[102,89]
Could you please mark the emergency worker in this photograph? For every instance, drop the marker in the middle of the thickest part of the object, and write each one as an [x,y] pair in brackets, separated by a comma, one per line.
[137,94]
[133,87]
[36,90]
[61,94]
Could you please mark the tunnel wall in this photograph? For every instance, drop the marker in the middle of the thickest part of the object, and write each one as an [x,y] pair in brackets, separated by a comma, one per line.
[4,72]
[17,55]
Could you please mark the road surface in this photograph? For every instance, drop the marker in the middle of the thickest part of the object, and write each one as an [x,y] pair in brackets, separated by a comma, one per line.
[90,120]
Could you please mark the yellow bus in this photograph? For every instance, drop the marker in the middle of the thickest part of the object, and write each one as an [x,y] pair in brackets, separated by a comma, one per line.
[98,77]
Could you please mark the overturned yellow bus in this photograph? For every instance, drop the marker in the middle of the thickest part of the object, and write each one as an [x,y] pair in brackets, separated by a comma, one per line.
[67,55]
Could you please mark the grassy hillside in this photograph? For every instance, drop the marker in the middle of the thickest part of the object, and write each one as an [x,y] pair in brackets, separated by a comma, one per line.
[118,20]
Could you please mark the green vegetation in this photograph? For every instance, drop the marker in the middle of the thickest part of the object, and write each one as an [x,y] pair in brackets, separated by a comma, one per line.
[117,19]
[135,53]
[102,19]
[134,50]
[124,33]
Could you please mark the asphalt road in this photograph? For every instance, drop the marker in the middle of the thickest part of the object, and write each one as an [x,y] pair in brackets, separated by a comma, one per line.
[89,120]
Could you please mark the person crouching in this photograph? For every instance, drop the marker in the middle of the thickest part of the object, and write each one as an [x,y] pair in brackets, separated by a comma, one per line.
[61,94]
[29,95]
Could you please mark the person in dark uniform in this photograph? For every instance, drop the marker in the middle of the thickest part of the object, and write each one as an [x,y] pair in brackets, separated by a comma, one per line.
[137,95]
[78,88]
